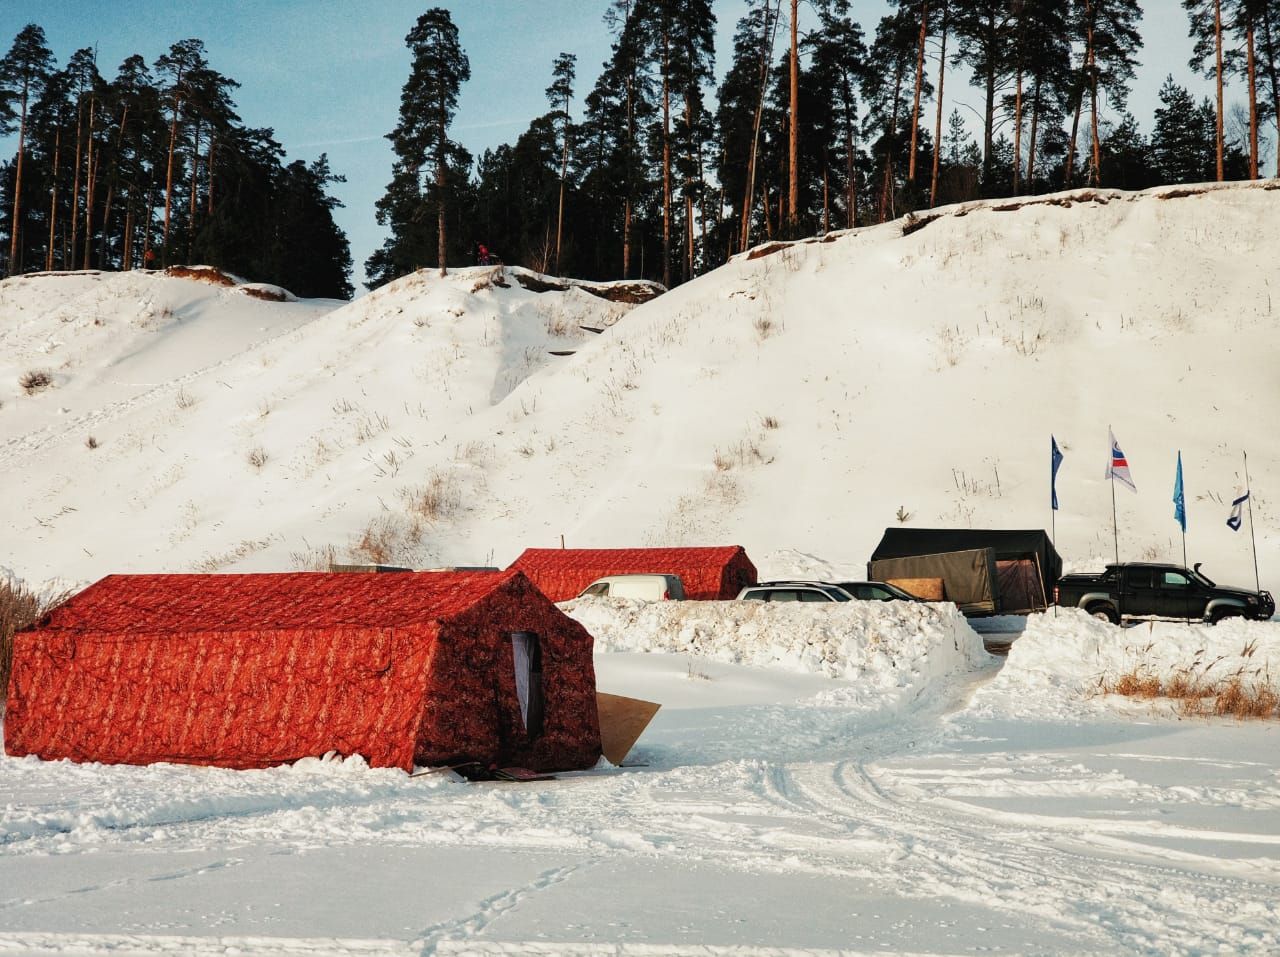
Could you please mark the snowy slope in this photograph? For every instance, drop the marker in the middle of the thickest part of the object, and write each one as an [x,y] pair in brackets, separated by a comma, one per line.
[793,403]
[226,426]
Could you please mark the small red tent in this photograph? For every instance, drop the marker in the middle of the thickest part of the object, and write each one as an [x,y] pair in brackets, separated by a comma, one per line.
[707,573]
[248,671]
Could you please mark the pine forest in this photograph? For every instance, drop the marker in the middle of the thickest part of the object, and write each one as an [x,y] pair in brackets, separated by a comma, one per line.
[662,167]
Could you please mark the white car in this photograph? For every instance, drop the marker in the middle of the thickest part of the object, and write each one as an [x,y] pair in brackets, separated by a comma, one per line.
[642,587]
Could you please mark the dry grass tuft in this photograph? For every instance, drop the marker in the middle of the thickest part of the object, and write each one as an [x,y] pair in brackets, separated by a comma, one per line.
[269,295]
[19,609]
[1242,694]
[91,443]
[215,277]
[257,457]
[36,380]
[436,499]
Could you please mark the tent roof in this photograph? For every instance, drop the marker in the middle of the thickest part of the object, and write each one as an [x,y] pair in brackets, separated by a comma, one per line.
[637,559]
[291,600]
[1007,543]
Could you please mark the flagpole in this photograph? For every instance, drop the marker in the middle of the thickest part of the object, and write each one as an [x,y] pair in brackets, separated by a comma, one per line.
[1114,531]
[1253,540]
[1186,596]
[1053,535]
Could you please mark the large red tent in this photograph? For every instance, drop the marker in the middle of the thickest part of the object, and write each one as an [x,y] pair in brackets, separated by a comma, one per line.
[250,671]
[707,573]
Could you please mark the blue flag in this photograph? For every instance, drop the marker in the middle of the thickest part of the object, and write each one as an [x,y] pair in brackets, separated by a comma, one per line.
[1179,500]
[1055,460]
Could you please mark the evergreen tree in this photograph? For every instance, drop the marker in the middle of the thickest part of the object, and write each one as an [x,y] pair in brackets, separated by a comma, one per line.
[560,94]
[1180,152]
[739,116]
[421,143]
[1039,64]
[837,61]
[982,31]
[1126,158]
[1108,30]
[24,71]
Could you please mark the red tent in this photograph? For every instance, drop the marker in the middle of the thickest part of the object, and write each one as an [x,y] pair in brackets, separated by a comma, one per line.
[248,671]
[707,573]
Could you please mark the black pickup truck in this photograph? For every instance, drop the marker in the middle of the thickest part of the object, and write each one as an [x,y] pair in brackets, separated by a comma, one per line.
[1142,590]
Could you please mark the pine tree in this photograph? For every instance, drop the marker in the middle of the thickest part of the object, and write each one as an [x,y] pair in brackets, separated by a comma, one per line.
[739,117]
[421,142]
[1039,64]
[838,59]
[560,93]
[177,66]
[1179,151]
[1206,30]
[1266,15]
[24,71]
[982,31]
[1108,29]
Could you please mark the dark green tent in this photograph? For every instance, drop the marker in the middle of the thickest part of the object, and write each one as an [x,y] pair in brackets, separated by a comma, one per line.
[1026,565]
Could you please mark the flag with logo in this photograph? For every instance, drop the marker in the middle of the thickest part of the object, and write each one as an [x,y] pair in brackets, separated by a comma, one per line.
[1118,465]
[1179,500]
[1055,460]
[1237,510]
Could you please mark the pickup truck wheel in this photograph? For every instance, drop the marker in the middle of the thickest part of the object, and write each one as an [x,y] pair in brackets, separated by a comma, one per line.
[1222,613]
[1104,612]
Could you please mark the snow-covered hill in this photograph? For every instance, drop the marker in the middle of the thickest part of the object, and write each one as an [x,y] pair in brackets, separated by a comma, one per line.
[796,401]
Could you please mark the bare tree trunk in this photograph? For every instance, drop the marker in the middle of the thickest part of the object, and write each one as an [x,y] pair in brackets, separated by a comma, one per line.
[1268,44]
[766,54]
[53,200]
[688,191]
[851,183]
[1017,134]
[14,264]
[193,199]
[111,185]
[666,159]
[626,238]
[1031,147]
[937,125]
[826,201]
[793,145]
[1093,101]
[168,181]
[208,175]
[1075,128]
[1217,43]
[127,261]
[90,187]
[564,172]
[69,255]
[1252,67]
[441,224]
[915,106]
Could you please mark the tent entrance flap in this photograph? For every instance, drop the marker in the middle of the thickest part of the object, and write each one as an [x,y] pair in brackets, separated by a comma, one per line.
[526,652]
[968,577]
[1021,588]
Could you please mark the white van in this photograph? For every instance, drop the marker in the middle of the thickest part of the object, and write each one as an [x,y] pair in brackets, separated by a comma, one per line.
[642,587]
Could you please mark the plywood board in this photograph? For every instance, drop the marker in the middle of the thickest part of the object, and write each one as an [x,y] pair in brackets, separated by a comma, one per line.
[622,721]
[930,589]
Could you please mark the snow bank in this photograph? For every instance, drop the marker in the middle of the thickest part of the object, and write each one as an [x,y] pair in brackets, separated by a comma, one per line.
[1058,665]
[889,644]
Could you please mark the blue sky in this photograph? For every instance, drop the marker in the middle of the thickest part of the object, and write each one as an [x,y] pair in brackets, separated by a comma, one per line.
[326,74]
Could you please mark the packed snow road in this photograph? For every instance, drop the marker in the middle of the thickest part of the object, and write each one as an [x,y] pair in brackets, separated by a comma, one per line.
[962,807]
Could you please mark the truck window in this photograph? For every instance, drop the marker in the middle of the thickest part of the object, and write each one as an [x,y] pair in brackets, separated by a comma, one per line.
[1175,580]
[1138,577]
